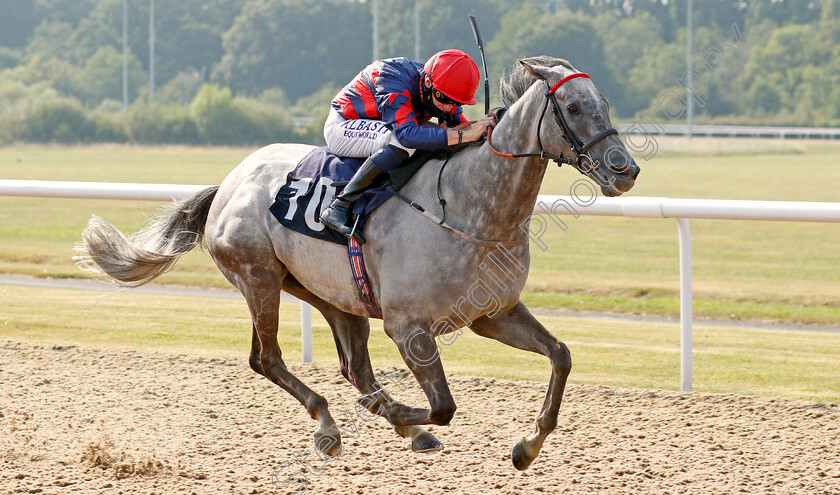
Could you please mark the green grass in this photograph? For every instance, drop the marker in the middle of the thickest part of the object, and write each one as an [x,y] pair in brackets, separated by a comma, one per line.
[800,365]
[775,271]
[37,234]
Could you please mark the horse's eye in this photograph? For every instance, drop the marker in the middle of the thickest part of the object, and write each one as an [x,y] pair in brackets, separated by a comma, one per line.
[573,109]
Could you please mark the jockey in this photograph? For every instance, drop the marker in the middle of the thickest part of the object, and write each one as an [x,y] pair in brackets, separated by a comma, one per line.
[383,115]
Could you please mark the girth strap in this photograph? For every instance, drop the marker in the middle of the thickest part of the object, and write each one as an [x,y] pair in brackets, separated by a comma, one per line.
[360,276]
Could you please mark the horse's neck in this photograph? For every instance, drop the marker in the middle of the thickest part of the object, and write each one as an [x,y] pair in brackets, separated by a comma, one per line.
[495,194]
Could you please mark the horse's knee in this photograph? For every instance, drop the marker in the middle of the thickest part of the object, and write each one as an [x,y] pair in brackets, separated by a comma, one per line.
[441,414]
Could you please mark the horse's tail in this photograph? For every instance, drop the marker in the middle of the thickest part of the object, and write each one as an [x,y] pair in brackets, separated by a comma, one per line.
[134,260]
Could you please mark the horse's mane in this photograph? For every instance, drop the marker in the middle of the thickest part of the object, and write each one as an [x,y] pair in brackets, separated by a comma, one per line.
[515,83]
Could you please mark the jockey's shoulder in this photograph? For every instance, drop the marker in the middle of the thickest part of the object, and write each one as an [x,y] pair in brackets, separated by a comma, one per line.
[402,65]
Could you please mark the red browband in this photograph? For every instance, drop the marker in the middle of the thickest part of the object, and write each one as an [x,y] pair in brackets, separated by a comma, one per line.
[570,76]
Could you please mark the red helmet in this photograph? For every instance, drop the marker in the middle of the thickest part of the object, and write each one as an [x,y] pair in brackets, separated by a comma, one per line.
[454,74]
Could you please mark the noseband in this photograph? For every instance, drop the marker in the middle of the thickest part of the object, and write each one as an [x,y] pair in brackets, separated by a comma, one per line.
[580,148]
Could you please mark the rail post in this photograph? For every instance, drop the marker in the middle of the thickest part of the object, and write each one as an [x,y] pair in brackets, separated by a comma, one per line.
[685,304]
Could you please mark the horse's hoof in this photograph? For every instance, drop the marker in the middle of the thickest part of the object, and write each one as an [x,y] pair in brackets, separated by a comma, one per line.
[426,442]
[521,459]
[329,445]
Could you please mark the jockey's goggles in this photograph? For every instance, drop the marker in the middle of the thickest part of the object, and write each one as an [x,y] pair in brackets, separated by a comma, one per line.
[445,100]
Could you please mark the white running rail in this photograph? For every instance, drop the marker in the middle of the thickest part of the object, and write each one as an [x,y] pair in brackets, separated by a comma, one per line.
[727,131]
[642,207]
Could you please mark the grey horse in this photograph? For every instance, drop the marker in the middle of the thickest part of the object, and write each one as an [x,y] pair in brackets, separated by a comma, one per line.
[429,281]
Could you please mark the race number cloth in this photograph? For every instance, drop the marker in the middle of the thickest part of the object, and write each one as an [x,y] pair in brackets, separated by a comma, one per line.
[309,189]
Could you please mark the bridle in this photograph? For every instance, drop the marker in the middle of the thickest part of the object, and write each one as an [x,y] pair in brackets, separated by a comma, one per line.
[580,148]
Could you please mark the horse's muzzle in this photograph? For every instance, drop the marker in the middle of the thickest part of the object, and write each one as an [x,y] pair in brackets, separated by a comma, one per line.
[620,179]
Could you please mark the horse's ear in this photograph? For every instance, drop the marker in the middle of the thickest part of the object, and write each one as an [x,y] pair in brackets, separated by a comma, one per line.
[535,70]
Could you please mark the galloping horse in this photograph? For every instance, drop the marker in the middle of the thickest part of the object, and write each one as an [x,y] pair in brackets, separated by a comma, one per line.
[420,272]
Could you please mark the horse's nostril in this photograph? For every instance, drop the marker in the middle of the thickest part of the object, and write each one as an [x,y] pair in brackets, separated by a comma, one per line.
[636,172]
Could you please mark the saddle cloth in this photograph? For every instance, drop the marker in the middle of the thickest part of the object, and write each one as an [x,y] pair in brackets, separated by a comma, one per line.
[309,188]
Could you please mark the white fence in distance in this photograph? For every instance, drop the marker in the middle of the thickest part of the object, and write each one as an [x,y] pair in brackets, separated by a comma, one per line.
[730,131]
[641,207]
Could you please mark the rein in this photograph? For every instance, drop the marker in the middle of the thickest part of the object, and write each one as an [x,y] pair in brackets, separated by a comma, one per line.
[574,141]
[461,234]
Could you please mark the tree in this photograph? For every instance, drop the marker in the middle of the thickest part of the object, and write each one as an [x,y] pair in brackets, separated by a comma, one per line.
[69,11]
[442,25]
[52,39]
[565,34]
[223,119]
[188,35]
[502,49]
[621,55]
[188,32]
[783,12]
[659,68]
[294,44]
[830,20]
[794,65]
[9,58]
[50,71]
[102,77]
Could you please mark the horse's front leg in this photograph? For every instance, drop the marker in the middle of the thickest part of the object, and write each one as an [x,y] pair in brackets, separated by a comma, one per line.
[518,328]
[419,351]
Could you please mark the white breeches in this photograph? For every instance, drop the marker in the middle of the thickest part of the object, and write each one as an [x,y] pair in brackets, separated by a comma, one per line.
[358,138]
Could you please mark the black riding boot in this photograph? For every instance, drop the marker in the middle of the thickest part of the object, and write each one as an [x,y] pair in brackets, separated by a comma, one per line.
[335,216]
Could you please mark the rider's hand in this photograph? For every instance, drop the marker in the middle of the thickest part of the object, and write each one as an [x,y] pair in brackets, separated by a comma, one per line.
[478,128]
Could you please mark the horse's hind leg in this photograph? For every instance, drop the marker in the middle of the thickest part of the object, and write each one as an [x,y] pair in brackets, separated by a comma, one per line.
[260,282]
[351,335]
[518,328]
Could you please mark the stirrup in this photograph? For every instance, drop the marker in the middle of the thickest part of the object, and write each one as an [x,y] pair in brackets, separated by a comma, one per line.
[357,235]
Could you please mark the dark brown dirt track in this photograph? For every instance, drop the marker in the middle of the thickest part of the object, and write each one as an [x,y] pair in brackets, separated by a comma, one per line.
[84,420]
